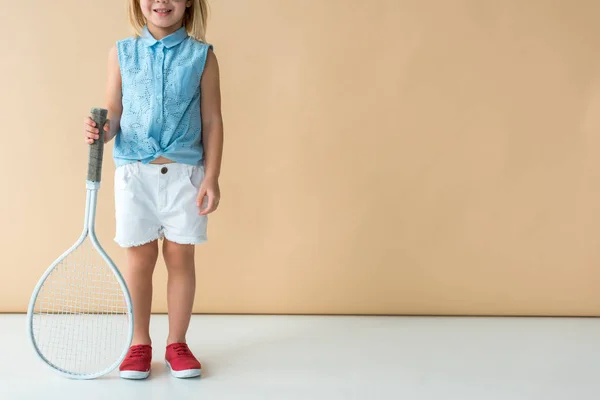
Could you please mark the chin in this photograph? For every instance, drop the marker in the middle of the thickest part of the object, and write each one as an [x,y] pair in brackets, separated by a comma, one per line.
[163,23]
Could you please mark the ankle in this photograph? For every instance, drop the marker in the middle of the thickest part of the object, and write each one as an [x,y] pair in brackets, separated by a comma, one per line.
[175,339]
[141,341]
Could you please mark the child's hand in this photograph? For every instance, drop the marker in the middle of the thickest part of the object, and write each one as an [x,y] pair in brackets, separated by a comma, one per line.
[92,132]
[209,190]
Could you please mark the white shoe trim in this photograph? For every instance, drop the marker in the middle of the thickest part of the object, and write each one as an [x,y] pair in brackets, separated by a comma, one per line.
[134,374]
[186,373]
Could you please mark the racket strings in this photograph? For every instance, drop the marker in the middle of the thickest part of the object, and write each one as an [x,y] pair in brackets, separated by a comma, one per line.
[80,321]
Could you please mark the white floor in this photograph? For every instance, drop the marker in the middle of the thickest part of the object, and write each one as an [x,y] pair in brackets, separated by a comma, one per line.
[313,358]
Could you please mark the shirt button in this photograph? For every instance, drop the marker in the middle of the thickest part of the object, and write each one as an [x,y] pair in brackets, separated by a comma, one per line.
[164,170]
[157,119]
[158,76]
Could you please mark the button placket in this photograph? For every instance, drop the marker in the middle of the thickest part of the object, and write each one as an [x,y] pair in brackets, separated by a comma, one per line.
[159,87]
[163,179]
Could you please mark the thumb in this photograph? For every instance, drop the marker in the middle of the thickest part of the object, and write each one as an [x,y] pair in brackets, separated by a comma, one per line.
[200,197]
[107,130]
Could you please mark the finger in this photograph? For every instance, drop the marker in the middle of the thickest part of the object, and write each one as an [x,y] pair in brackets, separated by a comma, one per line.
[89,121]
[90,135]
[200,198]
[90,128]
[210,207]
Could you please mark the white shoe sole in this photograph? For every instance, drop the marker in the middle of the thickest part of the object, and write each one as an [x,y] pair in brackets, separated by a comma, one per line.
[134,374]
[186,373]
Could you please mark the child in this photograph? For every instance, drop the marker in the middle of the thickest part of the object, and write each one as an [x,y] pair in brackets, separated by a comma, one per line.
[163,98]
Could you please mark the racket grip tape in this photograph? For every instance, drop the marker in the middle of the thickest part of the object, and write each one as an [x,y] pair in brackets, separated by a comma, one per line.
[99,116]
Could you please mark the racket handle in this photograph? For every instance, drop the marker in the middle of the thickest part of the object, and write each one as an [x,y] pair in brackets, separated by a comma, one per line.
[99,116]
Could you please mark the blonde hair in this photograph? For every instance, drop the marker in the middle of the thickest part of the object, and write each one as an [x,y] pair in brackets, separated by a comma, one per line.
[194,19]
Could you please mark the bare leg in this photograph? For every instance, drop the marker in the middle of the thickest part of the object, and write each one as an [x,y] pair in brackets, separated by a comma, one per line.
[141,261]
[181,288]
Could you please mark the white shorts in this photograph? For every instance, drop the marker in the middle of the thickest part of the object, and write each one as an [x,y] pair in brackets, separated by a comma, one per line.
[153,201]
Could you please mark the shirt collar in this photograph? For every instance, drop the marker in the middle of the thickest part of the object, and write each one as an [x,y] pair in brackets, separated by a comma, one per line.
[168,41]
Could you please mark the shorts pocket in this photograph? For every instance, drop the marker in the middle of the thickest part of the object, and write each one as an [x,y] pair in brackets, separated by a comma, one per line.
[194,176]
[123,177]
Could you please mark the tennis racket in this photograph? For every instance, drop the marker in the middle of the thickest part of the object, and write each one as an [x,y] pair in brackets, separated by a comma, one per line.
[80,318]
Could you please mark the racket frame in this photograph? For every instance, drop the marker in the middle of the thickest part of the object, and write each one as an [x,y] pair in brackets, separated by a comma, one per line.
[89,231]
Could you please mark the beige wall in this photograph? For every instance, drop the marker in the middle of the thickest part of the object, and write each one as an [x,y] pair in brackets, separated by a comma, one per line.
[382,156]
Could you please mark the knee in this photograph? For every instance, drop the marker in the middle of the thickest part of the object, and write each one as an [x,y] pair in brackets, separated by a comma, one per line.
[143,257]
[178,256]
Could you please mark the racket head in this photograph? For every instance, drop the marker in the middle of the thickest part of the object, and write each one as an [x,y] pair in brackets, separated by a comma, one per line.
[80,321]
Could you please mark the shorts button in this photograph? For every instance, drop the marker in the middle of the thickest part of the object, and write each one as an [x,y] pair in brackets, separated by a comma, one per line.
[164,170]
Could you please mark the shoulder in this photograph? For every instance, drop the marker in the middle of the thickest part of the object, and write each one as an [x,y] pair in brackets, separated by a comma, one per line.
[122,50]
[211,67]
[113,59]
[211,60]
[200,52]
[113,53]
[199,46]
[128,41]
[126,44]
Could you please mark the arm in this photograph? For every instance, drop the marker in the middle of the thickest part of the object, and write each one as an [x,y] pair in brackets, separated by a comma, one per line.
[212,135]
[212,120]
[114,104]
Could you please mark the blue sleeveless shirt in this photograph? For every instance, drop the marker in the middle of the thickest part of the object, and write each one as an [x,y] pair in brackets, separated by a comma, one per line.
[161,98]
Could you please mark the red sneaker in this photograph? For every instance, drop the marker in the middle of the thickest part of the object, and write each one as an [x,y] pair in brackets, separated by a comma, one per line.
[137,362]
[181,362]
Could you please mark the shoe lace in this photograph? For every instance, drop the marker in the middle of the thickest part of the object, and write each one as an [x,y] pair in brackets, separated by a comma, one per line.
[138,352]
[182,350]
